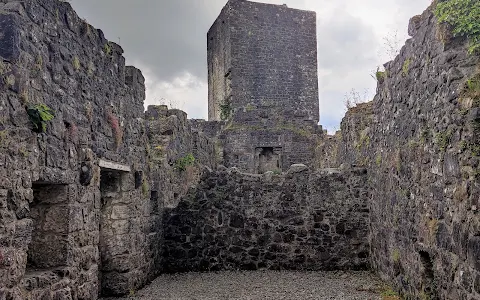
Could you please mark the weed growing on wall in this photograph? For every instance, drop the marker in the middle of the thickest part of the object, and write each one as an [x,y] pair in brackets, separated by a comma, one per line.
[39,115]
[472,90]
[107,49]
[463,16]
[4,139]
[145,187]
[182,163]
[443,140]
[396,256]
[406,66]
[225,111]
[76,63]
[380,75]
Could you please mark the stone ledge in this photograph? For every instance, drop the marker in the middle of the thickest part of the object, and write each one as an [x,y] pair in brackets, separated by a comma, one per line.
[113,166]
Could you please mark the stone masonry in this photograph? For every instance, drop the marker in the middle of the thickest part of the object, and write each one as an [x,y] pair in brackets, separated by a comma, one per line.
[80,203]
[301,220]
[419,139]
[262,70]
[97,196]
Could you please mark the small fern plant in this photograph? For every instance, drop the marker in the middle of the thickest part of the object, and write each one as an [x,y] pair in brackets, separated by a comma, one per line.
[39,115]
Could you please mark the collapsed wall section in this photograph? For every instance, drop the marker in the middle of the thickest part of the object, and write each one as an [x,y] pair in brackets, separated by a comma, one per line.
[302,220]
[420,138]
[176,152]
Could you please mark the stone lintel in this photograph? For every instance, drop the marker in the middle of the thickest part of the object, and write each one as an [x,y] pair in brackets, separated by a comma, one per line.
[113,166]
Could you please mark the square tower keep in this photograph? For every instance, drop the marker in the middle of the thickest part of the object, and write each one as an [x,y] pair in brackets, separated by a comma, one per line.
[262,77]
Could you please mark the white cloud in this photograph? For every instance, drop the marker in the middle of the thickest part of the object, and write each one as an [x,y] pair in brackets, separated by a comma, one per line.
[186,92]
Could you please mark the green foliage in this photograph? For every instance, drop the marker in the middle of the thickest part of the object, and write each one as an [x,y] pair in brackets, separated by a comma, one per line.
[396,256]
[380,75]
[39,115]
[389,293]
[463,16]
[363,142]
[424,137]
[158,153]
[76,63]
[4,138]
[406,66]
[182,163]
[9,80]
[473,85]
[412,144]
[107,49]
[39,62]
[378,160]
[443,140]
[475,149]
[225,111]
[23,151]
[145,187]
[250,107]
[424,296]
[472,90]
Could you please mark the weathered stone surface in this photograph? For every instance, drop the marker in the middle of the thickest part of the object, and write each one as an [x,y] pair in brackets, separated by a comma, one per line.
[263,83]
[419,139]
[55,213]
[303,220]
[73,226]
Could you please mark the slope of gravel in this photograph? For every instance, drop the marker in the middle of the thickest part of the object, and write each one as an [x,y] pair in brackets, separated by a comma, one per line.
[263,285]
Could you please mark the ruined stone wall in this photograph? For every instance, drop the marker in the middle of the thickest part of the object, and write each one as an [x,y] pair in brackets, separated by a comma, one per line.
[301,220]
[210,129]
[73,218]
[244,147]
[353,140]
[421,144]
[171,142]
[262,61]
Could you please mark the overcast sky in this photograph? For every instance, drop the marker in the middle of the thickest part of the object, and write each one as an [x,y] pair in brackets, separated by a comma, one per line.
[166,39]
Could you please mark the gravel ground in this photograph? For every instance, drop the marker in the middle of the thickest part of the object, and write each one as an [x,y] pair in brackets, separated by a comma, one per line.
[263,285]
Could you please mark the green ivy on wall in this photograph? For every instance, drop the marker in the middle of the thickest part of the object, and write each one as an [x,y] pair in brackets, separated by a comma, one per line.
[463,16]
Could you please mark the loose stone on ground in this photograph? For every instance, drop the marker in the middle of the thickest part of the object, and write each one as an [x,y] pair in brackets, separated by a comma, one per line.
[263,285]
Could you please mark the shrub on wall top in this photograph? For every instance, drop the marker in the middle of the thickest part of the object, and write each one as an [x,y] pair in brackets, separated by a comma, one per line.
[463,16]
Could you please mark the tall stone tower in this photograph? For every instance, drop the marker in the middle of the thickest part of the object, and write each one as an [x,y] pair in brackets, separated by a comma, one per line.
[262,77]
[262,63]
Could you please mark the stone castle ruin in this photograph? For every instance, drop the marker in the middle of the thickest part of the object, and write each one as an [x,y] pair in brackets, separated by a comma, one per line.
[98,196]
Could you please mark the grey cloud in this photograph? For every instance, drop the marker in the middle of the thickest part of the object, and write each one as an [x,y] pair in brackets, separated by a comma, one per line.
[345,43]
[168,36]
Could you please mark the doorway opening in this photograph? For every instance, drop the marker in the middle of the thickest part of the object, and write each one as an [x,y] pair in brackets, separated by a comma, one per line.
[268,159]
